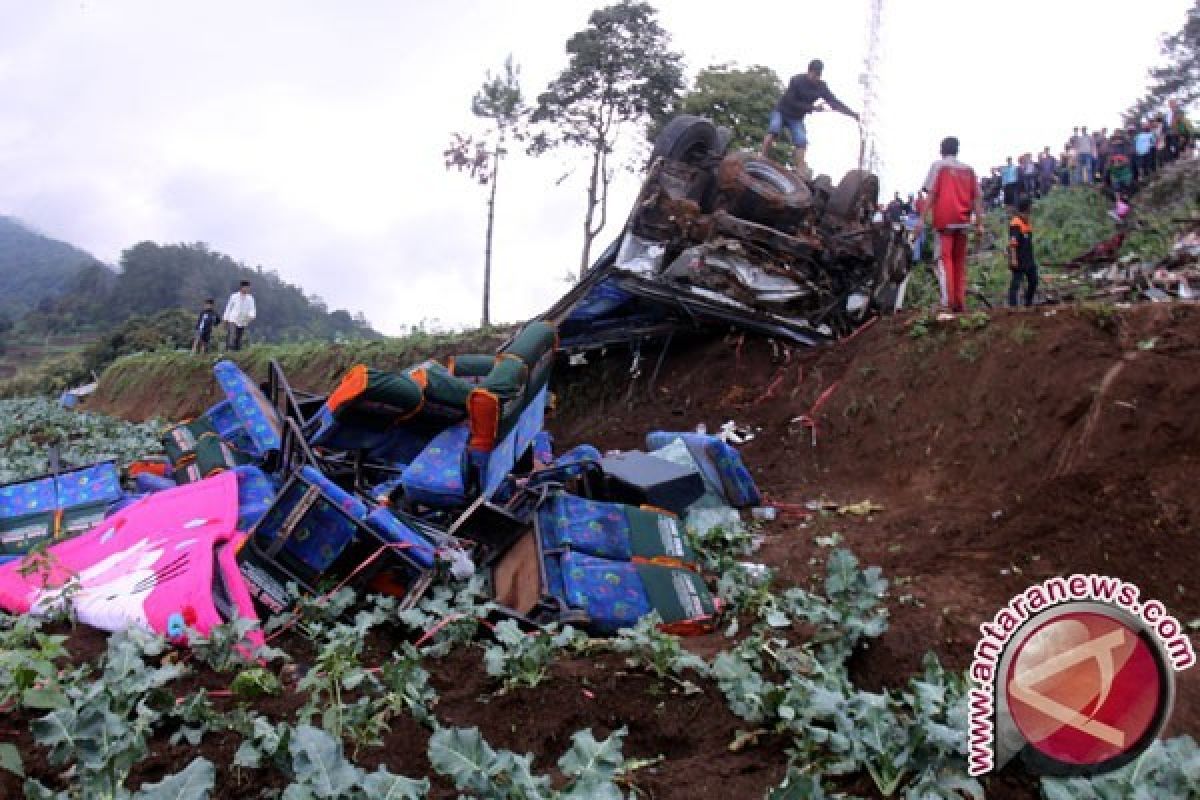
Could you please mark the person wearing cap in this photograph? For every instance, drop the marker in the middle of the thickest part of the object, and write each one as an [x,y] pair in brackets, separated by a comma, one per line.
[800,99]
[239,313]
[954,196]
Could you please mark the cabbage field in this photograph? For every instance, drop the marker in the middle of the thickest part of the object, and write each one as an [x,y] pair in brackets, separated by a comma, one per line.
[355,699]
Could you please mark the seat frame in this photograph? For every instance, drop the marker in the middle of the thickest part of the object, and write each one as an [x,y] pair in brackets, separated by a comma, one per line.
[272,558]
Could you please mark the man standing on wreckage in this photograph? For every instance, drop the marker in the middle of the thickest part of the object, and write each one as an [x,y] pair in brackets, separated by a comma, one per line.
[801,98]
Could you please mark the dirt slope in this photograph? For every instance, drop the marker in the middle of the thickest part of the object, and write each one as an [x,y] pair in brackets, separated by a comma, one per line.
[1033,445]
[172,386]
[1004,451]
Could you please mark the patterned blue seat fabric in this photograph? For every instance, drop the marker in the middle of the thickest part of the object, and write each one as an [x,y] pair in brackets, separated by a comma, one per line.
[495,465]
[435,477]
[251,407]
[578,454]
[543,447]
[719,463]
[148,482]
[592,527]
[611,530]
[616,594]
[229,427]
[30,497]
[324,531]
[99,483]
[382,492]
[127,499]
[415,546]
[256,492]
[57,506]
[611,593]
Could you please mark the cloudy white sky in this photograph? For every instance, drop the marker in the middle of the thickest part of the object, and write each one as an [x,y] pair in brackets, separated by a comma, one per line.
[306,136]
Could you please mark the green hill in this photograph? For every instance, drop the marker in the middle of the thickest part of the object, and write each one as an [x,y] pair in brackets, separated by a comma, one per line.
[64,315]
[154,278]
[34,267]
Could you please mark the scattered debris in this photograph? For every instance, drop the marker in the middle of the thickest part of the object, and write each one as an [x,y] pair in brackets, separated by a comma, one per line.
[392,483]
[861,509]
[1100,274]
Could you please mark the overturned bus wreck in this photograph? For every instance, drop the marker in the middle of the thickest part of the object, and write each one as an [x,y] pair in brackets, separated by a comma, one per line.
[720,239]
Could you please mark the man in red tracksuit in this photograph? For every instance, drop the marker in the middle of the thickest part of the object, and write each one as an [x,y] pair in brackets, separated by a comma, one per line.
[953,196]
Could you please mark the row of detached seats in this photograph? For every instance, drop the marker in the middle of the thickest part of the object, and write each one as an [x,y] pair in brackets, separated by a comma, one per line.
[241,429]
[604,565]
[238,433]
[608,564]
[316,533]
[56,506]
[442,433]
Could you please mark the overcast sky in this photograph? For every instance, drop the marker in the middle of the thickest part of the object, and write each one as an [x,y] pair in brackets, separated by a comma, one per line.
[306,136]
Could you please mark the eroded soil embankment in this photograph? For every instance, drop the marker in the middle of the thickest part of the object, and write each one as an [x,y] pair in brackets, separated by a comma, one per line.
[1037,444]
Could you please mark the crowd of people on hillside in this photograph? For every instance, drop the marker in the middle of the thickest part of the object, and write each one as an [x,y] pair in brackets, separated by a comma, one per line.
[952,196]
[1118,161]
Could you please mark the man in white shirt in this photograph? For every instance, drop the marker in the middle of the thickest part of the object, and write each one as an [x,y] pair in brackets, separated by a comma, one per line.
[1085,149]
[239,313]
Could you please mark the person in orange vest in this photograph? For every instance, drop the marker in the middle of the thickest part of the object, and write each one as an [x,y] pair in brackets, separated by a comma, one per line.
[954,197]
[1020,254]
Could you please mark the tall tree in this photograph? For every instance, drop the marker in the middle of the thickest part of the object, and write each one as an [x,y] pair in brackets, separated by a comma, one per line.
[1179,78]
[620,72]
[500,102]
[740,99]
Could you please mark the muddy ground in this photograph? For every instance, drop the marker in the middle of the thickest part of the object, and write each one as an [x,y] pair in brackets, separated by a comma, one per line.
[1004,450]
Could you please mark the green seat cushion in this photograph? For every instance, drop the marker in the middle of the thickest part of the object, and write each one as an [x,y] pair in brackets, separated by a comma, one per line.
[677,594]
[19,534]
[180,441]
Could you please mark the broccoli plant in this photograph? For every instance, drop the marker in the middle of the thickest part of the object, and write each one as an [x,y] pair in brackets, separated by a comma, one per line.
[523,659]
[263,742]
[748,694]
[226,647]
[194,782]
[646,646]
[936,702]
[591,767]
[850,611]
[336,670]
[28,674]
[912,740]
[196,715]
[103,725]
[449,615]
[798,785]
[406,687]
[29,425]
[722,545]
[321,772]
[1168,770]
